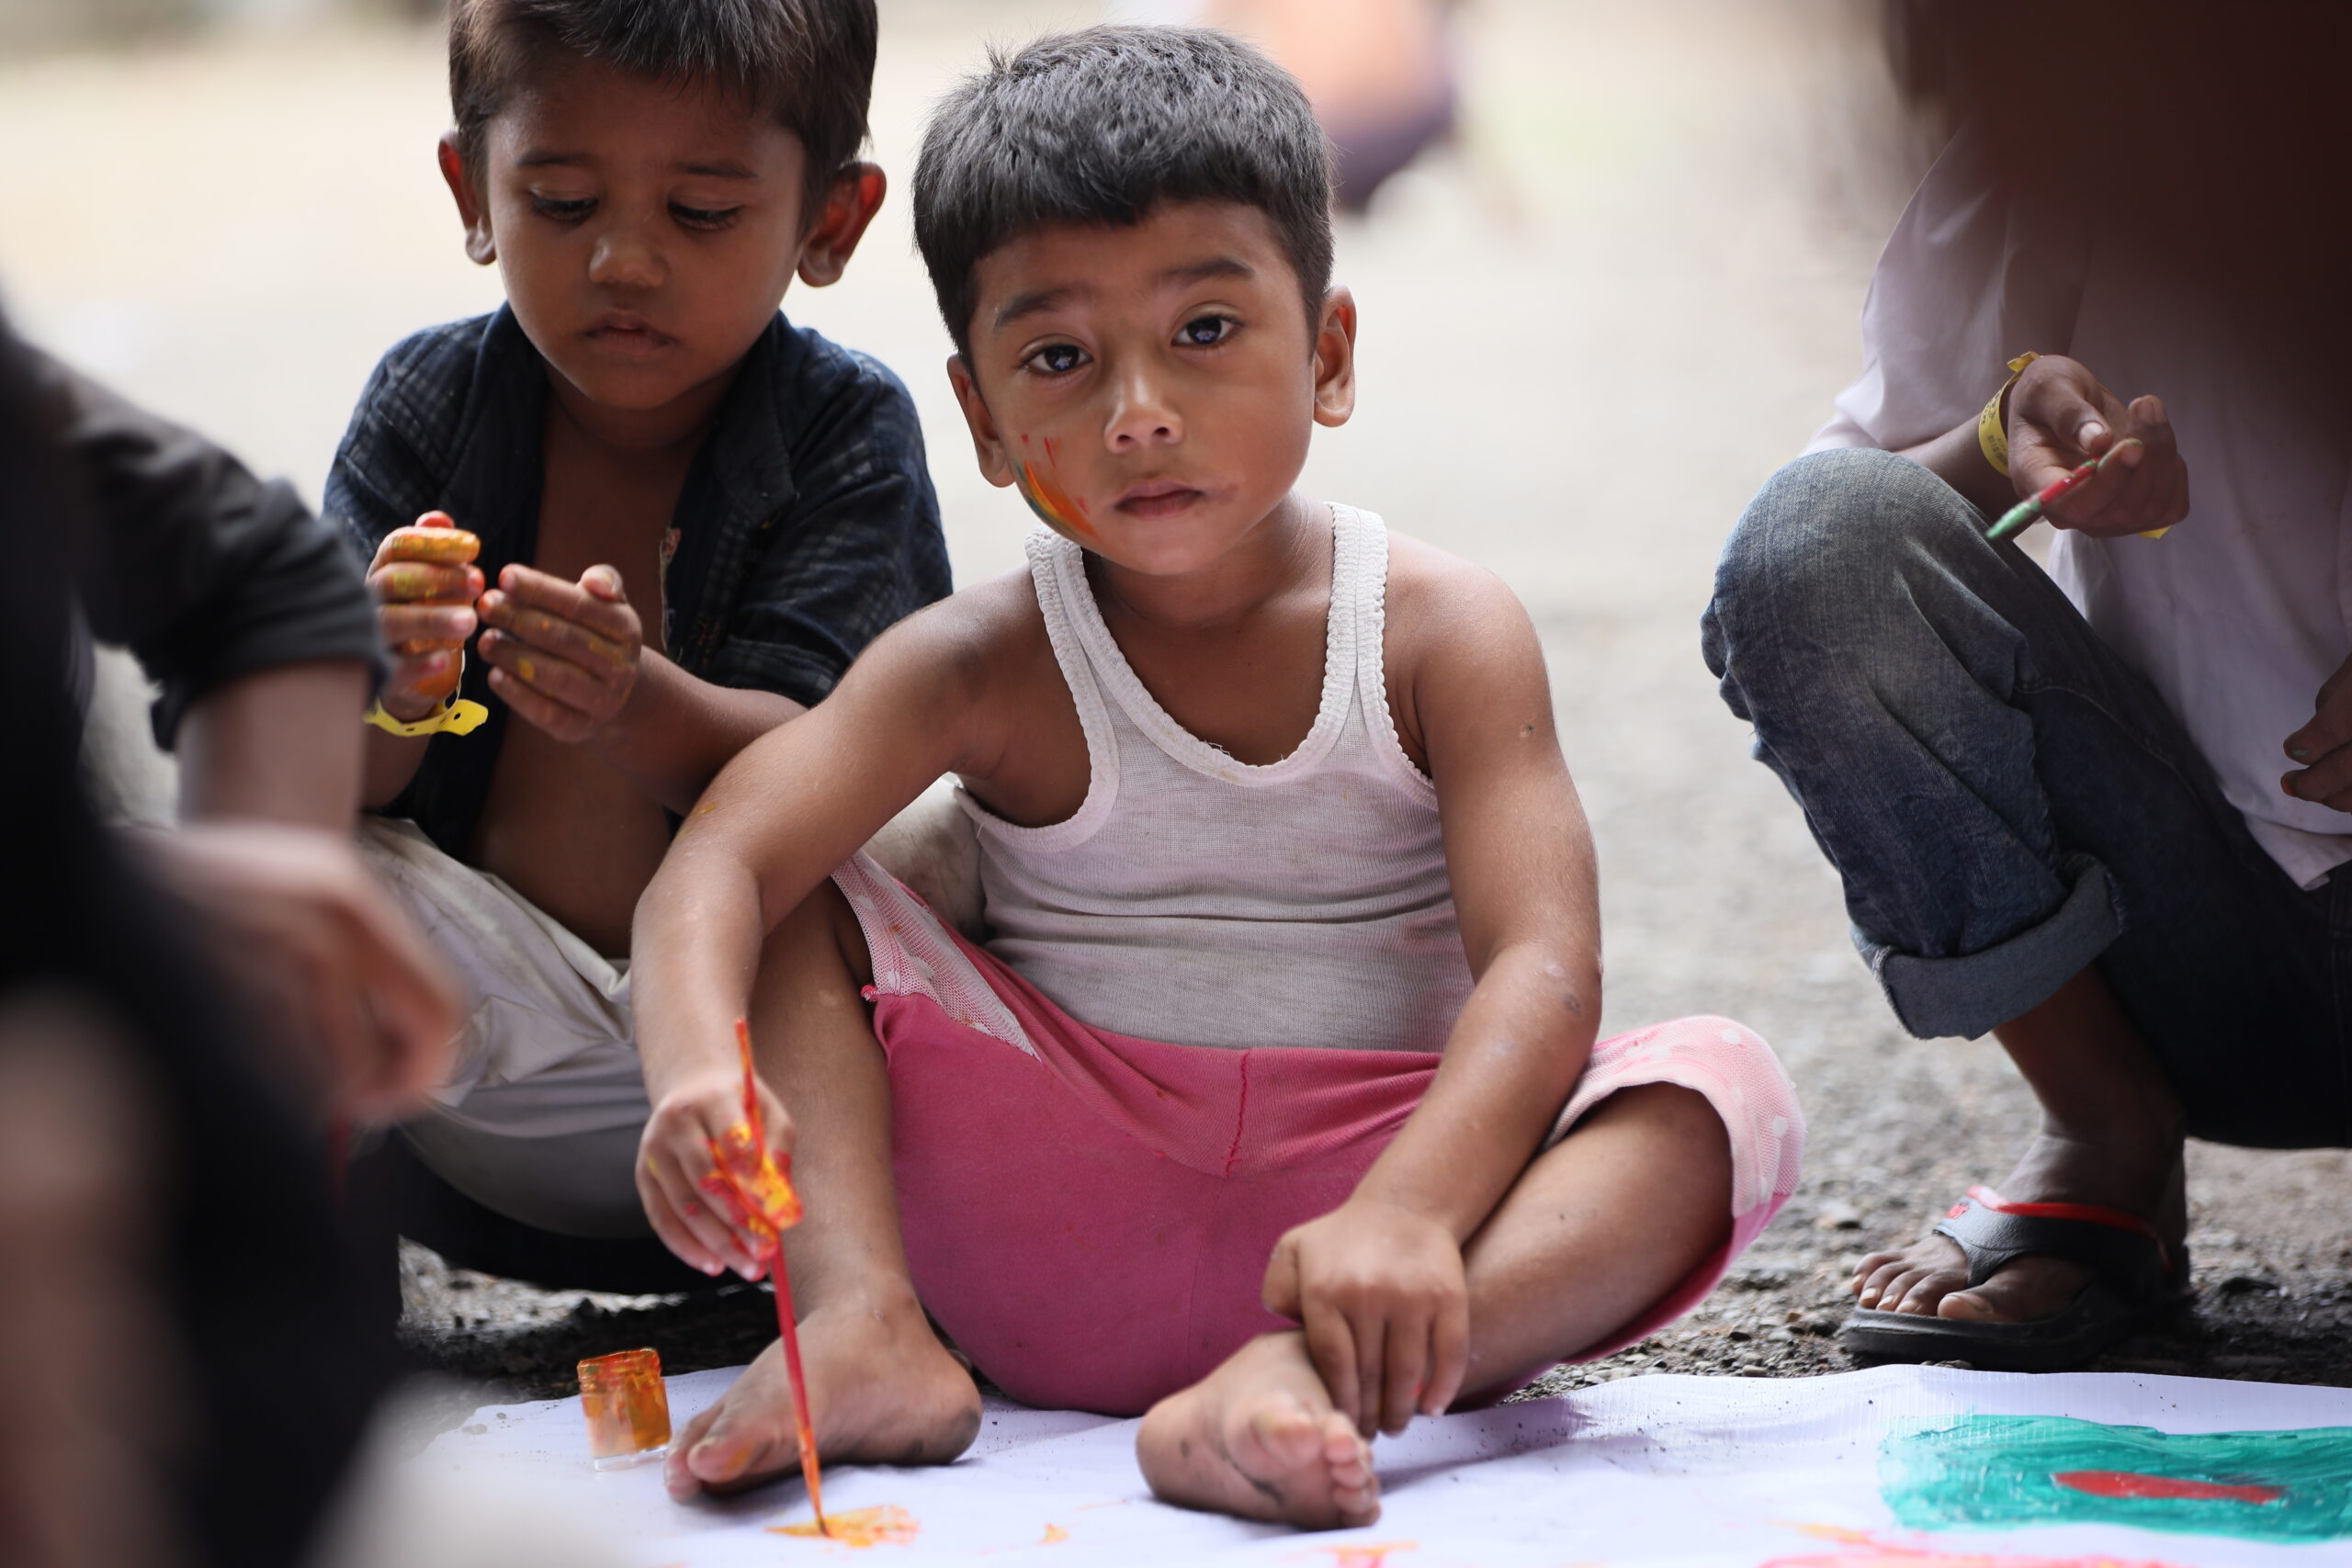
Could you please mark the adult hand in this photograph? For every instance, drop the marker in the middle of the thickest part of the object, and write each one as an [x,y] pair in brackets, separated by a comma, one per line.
[2059,418]
[1381,1293]
[677,1168]
[425,583]
[364,1013]
[566,653]
[2324,747]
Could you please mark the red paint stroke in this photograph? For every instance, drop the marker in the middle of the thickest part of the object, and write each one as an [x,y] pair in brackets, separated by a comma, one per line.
[746,1177]
[2064,483]
[2132,1484]
[1863,1550]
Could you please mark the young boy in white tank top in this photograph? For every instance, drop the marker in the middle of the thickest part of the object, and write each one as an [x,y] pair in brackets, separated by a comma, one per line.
[1271,1106]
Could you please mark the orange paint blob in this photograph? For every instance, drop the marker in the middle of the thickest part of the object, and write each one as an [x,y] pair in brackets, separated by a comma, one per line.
[626,1404]
[1368,1556]
[1055,1535]
[887,1525]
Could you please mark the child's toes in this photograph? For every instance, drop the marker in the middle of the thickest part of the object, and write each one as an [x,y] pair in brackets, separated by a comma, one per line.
[1285,1436]
[1876,1290]
[676,1474]
[1928,1287]
[1346,1459]
[1870,1268]
[737,1450]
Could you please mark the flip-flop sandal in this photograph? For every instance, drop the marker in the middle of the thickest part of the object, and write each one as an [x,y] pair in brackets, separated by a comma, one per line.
[2138,1276]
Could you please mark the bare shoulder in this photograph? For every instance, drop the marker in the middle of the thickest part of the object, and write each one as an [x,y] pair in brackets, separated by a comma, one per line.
[963,641]
[1444,611]
[956,668]
[1462,658]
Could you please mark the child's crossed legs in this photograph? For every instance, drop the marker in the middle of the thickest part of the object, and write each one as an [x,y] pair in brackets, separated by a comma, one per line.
[1634,1201]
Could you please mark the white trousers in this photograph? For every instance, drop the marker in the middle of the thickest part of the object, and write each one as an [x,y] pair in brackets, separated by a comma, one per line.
[541,1114]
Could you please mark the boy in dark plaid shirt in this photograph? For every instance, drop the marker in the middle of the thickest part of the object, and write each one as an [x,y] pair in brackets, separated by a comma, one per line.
[692,518]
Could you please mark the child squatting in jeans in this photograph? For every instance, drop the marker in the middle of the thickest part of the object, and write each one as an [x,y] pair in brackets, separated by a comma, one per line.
[1271,1107]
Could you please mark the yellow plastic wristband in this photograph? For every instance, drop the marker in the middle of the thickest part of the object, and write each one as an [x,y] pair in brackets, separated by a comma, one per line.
[453,716]
[1992,427]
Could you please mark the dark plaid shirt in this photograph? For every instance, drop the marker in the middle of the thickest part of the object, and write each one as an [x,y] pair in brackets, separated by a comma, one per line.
[806,527]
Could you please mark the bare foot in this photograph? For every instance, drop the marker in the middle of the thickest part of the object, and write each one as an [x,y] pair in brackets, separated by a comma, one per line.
[1930,1278]
[1258,1438]
[884,1390]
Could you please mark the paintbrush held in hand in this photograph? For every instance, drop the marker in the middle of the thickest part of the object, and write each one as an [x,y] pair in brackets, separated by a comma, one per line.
[2024,514]
[746,1180]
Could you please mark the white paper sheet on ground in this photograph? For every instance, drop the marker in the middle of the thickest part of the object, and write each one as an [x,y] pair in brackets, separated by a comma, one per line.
[1729,1472]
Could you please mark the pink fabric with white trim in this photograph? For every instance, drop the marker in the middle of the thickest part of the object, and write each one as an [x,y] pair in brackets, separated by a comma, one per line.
[1088,1215]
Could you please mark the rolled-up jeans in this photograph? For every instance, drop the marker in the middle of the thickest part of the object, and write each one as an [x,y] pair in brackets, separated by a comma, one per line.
[2007,803]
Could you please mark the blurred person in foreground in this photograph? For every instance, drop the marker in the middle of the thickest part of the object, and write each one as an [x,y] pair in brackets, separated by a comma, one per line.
[691,516]
[187,1357]
[1381,73]
[2098,812]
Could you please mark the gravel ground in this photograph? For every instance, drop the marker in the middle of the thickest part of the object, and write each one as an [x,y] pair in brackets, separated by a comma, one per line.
[1588,335]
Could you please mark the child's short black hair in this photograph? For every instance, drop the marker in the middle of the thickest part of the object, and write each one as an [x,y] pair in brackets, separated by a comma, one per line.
[809,63]
[1102,125]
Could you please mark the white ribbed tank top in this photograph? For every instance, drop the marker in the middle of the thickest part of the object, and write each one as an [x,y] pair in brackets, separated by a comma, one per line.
[1204,901]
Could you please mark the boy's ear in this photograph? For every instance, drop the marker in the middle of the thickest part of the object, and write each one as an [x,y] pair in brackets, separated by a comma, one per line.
[1335,359]
[850,202]
[987,443]
[472,210]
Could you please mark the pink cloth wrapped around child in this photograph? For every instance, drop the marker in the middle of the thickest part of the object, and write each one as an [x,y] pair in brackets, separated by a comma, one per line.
[1089,1214]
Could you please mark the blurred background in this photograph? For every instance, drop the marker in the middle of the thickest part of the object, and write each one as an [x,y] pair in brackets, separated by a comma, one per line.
[1618,289]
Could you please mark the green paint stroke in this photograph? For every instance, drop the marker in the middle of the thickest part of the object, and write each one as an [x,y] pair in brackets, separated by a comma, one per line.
[2006,1471]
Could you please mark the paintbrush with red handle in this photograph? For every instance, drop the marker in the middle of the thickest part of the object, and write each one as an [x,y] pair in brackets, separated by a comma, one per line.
[749,1180]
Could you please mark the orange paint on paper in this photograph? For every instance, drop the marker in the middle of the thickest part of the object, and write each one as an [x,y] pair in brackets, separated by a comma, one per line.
[747,1179]
[1864,1551]
[1368,1556]
[1055,1535]
[887,1525]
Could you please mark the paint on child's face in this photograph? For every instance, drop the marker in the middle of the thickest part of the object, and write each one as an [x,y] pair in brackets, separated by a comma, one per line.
[887,1525]
[1055,507]
[1984,1471]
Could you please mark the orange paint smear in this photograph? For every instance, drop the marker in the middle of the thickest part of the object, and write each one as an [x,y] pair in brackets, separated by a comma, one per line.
[1863,1550]
[887,1525]
[2131,1483]
[1368,1556]
[758,1192]
[1055,506]
[1055,1535]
